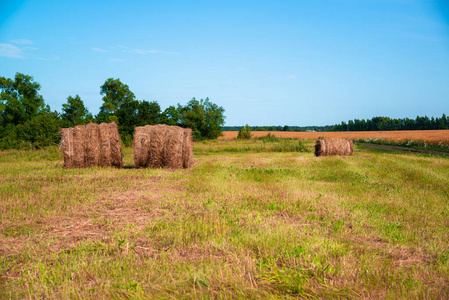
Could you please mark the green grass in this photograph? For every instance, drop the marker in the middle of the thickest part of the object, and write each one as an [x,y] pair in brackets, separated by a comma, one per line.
[246,221]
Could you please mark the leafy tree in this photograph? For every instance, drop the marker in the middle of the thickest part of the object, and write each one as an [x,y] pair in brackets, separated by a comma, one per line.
[204,117]
[244,132]
[114,93]
[171,115]
[127,116]
[25,120]
[21,99]
[214,120]
[149,113]
[74,112]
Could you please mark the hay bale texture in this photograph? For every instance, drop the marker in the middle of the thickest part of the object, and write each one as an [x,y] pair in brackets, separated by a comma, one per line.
[163,146]
[333,147]
[91,145]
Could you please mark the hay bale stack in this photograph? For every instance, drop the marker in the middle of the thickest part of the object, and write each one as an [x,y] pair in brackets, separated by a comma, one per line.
[333,147]
[163,146]
[91,145]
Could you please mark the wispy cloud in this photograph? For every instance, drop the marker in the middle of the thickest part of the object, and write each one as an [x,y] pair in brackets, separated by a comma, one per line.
[8,50]
[145,52]
[99,50]
[152,51]
[48,59]
[22,42]
[292,77]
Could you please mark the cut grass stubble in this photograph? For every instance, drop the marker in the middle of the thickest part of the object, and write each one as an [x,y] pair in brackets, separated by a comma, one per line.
[249,222]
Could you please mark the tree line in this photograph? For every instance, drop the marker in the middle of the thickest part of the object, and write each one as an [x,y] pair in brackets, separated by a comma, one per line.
[386,123]
[281,128]
[27,122]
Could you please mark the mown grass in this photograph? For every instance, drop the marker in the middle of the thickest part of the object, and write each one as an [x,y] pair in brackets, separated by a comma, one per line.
[244,223]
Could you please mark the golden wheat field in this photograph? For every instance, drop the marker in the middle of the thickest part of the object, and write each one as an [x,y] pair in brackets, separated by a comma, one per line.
[424,135]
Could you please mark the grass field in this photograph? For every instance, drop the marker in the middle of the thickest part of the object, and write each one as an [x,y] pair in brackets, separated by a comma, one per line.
[251,219]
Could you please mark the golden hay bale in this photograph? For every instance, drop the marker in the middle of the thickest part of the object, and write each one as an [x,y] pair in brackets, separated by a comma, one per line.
[140,156]
[162,146]
[91,145]
[333,147]
[66,146]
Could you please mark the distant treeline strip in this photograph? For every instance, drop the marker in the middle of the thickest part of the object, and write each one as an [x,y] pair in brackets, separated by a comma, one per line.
[374,124]
[281,128]
[386,124]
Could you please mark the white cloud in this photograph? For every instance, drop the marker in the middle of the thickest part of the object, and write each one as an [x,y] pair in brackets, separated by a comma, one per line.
[98,50]
[22,42]
[8,50]
[48,59]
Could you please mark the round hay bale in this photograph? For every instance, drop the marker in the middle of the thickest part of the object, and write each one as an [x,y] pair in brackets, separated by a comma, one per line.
[91,145]
[333,147]
[160,146]
[140,155]
[78,147]
[66,146]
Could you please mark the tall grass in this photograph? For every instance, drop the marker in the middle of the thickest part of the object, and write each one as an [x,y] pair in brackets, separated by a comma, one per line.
[268,143]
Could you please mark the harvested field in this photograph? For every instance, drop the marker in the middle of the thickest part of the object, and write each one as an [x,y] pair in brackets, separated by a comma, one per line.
[240,225]
[424,135]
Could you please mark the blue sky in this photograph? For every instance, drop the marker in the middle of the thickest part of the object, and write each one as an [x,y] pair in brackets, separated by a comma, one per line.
[303,62]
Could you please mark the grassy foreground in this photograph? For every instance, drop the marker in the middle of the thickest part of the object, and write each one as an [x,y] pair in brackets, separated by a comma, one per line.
[249,220]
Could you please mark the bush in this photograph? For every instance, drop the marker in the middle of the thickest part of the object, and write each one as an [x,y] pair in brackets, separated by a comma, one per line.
[245,133]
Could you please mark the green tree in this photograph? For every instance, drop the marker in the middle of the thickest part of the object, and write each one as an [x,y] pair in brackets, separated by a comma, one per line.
[127,117]
[25,120]
[171,115]
[21,99]
[74,112]
[244,132]
[205,118]
[149,113]
[114,93]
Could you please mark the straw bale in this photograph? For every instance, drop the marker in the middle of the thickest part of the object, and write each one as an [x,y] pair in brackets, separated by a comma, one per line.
[162,146]
[140,138]
[91,145]
[333,147]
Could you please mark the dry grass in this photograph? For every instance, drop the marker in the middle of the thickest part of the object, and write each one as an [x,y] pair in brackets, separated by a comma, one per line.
[236,225]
